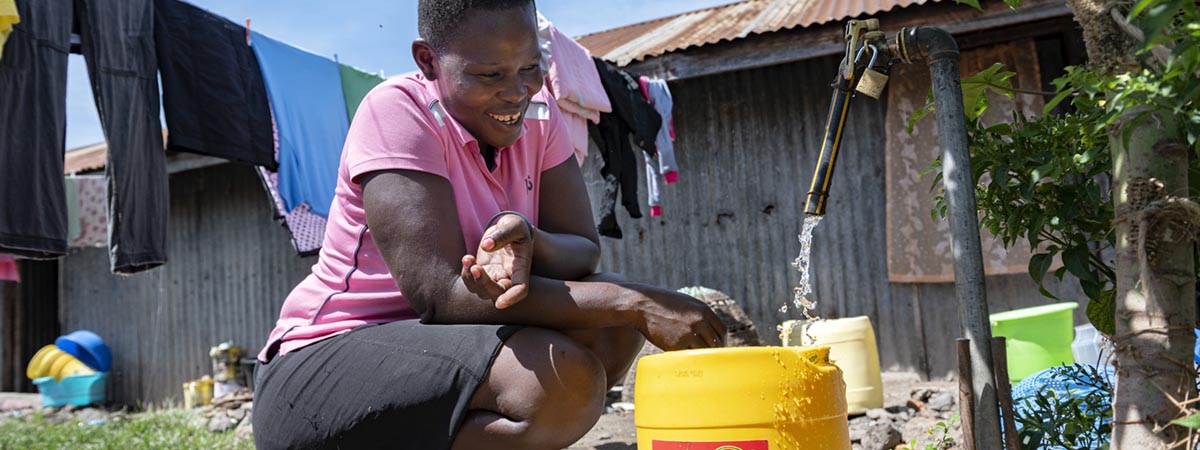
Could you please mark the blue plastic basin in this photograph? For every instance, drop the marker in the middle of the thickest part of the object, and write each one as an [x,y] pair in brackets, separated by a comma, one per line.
[88,348]
[78,390]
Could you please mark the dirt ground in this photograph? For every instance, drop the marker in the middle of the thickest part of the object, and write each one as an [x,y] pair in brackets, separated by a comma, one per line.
[616,430]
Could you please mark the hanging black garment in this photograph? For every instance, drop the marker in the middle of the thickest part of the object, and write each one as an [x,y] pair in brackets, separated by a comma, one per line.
[117,38]
[632,118]
[620,172]
[213,93]
[33,95]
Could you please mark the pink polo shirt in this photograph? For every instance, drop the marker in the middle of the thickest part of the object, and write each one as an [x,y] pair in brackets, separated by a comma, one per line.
[402,125]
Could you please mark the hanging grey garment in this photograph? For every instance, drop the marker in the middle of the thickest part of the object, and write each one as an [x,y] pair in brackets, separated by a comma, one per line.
[660,97]
[33,89]
[117,38]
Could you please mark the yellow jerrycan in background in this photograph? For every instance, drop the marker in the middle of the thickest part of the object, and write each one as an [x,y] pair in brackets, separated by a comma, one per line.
[744,398]
[852,348]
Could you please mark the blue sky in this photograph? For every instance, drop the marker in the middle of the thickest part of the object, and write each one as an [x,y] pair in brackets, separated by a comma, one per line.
[370,34]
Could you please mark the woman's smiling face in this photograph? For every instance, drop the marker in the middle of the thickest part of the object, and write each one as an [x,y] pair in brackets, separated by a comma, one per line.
[488,72]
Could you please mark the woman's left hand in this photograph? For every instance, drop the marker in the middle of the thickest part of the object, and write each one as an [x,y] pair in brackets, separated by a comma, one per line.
[505,256]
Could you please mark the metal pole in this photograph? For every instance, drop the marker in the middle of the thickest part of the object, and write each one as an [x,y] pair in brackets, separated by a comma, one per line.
[941,51]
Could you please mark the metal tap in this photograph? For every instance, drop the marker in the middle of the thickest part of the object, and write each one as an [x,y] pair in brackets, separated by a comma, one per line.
[855,74]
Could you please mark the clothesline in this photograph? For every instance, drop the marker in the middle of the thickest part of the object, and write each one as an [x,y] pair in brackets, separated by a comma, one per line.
[234,93]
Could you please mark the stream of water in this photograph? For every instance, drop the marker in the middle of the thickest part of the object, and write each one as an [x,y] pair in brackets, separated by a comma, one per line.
[802,298]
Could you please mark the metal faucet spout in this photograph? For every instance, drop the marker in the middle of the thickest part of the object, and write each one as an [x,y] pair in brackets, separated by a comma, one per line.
[859,34]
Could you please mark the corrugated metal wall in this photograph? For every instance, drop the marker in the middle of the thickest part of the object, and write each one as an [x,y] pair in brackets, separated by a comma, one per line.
[29,322]
[230,268]
[747,143]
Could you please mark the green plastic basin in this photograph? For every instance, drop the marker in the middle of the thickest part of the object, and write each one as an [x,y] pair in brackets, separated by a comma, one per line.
[1037,338]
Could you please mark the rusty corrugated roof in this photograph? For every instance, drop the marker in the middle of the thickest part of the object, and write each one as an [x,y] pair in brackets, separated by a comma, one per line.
[83,159]
[725,23]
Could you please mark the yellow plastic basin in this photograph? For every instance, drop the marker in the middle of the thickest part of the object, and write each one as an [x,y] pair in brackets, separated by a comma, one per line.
[39,365]
[72,367]
[746,398]
[49,361]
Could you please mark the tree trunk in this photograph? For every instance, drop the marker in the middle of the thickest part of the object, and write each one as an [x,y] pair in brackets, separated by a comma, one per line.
[1108,47]
[1155,286]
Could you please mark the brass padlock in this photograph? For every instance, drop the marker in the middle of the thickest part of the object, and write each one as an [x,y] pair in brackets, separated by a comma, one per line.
[872,83]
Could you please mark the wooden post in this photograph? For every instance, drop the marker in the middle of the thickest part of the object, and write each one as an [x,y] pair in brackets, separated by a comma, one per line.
[966,399]
[1004,392]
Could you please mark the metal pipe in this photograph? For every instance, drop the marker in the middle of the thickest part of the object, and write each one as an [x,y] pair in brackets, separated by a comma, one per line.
[818,193]
[939,49]
[835,125]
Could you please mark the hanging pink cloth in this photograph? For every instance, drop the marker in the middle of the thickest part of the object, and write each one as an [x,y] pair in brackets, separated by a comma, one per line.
[573,75]
[8,269]
[575,85]
[92,211]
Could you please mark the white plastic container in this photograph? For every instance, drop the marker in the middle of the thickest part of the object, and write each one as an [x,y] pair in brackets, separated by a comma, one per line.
[1087,346]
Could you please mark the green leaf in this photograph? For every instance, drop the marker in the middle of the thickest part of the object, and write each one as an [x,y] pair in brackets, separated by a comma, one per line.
[1092,290]
[1039,264]
[1192,421]
[920,113]
[1056,100]
[1157,18]
[974,3]
[1076,260]
[1001,129]
[1014,4]
[1102,312]
[1046,293]
[1047,170]
[1137,9]
[1035,228]
[976,87]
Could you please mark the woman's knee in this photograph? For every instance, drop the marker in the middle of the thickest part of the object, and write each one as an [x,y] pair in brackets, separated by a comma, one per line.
[559,382]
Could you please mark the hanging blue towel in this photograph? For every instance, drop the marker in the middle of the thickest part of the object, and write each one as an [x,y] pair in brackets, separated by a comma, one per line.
[310,111]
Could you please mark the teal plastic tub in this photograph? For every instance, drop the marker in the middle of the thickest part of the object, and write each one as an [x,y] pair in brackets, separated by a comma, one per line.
[1037,338]
[78,390]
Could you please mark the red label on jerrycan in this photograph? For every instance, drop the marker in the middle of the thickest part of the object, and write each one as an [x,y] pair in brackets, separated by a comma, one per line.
[727,445]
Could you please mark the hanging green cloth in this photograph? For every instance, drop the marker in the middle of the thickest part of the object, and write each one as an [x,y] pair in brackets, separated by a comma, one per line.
[355,85]
[73,227]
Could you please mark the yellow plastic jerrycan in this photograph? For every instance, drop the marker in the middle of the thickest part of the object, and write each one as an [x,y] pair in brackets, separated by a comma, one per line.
[745,398]
[852,348]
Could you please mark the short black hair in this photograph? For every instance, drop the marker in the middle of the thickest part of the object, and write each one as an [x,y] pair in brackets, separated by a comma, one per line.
[440,20]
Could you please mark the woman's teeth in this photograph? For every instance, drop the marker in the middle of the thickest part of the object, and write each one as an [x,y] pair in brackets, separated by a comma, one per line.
[507,120]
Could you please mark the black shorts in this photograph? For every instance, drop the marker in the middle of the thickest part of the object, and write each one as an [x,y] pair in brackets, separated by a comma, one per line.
[398,385]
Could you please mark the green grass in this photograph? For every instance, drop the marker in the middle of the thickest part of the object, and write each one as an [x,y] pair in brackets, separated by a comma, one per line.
[171,429]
